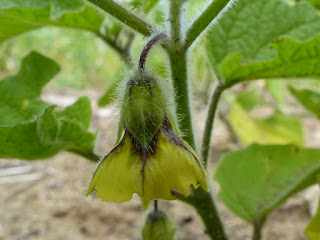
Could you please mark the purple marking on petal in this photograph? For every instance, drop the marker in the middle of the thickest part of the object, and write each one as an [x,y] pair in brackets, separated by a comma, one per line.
[143,153]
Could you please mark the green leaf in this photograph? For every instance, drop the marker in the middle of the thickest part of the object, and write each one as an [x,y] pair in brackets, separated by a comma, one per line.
[294,59]
[256,180]
[309,99]
[247,29]
[20,94]
[313,229]
[20,16]
[79,111]
[50,133]
[277,129]
[29,129]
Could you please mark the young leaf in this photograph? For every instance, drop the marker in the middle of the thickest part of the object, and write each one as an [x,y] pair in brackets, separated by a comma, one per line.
[309,99]
[277,129]
[20,94]
[50,133]
[20,16]
[248,27]
[257,179]
[313,229]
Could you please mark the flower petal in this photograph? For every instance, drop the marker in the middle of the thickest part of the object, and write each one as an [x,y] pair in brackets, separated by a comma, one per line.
[171,167]
[118,176]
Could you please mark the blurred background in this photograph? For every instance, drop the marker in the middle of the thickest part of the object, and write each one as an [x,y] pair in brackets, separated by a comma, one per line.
[46,199]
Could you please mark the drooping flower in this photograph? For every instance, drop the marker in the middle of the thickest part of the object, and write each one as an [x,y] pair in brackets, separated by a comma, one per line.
[150,160]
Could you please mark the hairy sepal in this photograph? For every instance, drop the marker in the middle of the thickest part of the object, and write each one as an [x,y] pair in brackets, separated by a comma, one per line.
[143,108]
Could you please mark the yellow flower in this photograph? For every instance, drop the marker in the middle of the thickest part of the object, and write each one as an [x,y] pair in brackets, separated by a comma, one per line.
[167,163]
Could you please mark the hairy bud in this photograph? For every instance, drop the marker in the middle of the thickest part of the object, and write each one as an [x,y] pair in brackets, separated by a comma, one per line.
[143,108]
[158,226]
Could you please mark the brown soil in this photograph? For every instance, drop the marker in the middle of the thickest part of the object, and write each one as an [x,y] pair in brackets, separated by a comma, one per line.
[54,206]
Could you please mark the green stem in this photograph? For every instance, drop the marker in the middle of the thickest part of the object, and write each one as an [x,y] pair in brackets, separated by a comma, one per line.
[123,15]
[203,202]
[180,83]
[200,199]
[178,64]
[204,21]
[257,229]
[209,123]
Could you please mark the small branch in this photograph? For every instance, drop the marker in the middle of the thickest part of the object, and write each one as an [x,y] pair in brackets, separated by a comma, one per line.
[124,54]
[257,229]
[233,136]
[209,123]
[204,21]
[148,47]
[123,15]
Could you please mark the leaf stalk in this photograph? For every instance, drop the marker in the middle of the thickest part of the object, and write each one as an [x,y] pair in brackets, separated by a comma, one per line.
[123,15]
[206,140]
[204,20]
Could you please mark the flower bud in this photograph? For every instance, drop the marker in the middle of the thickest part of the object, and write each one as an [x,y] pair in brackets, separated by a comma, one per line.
[143,108]
[158,226]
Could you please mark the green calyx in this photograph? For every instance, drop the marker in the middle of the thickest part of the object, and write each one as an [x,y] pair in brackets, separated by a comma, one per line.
[158,226]
[143,108]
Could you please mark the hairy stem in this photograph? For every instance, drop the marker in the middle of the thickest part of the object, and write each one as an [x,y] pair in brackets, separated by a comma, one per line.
[204,21]
[178,64]
[209,123]
[123,15]
[179,72]
[209,214]
[200,199]
[203,202]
